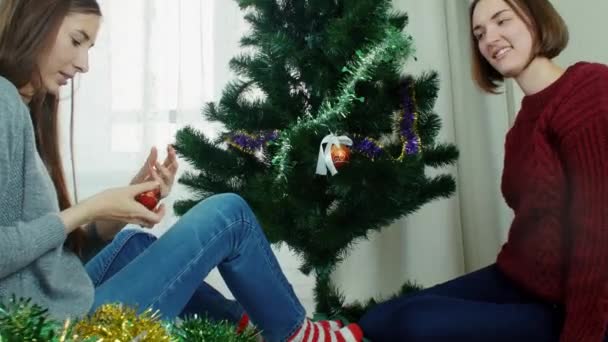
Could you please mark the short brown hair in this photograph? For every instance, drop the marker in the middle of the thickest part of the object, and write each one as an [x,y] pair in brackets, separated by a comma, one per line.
[549,32]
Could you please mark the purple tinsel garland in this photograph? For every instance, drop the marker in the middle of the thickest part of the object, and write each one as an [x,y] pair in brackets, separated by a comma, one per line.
[250,143]
[407,125]
[367,147]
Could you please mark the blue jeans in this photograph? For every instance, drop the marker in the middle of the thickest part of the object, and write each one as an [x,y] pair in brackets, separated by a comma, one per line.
[167,274]
[127,245]
[480,306]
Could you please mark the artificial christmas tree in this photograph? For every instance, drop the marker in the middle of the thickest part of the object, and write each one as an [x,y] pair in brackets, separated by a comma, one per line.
[324,88]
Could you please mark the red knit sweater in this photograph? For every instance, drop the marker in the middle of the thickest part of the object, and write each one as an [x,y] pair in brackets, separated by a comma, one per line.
[556,181]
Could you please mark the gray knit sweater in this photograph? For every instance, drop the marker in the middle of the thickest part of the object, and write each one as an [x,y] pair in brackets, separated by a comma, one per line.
[33,262]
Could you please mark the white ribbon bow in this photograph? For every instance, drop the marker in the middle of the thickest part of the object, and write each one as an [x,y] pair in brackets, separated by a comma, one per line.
[325,162]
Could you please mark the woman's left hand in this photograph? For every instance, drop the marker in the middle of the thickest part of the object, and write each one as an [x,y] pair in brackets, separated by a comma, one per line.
[163,173]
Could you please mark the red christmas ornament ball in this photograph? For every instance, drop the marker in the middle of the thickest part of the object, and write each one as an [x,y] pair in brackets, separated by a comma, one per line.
[340,155]
[149,198]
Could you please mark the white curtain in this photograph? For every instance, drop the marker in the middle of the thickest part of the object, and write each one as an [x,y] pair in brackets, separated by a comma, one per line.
[157,62]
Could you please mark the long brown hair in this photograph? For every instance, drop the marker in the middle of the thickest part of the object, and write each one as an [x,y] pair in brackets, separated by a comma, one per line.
[28,28]
[548,28]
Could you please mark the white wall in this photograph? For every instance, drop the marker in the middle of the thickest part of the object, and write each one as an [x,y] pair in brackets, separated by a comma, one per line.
[586,20]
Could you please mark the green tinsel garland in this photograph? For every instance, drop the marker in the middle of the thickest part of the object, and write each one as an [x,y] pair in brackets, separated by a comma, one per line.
[393,47]
[22,321]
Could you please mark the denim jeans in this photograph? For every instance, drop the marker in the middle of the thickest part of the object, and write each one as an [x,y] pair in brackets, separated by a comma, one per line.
[127,245]
[167,274]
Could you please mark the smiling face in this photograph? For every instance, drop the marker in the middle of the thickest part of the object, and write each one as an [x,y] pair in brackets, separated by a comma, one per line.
[503,37]
[69,54]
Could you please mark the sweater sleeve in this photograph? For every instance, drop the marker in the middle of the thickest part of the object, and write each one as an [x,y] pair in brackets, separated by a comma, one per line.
[585,154]
[23,242]
[20,242]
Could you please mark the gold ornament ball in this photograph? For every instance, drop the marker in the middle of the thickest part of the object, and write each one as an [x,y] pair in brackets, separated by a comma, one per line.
[340,155]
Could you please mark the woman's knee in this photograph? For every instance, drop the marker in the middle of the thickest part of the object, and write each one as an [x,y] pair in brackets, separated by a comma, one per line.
[233,200]
[134,237]
[225,202]
[218,213]
[124,248]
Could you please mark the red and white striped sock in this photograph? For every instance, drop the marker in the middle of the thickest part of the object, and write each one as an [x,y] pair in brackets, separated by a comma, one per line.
[319,332]
[332,325]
